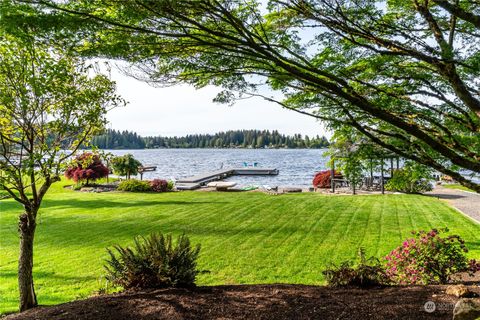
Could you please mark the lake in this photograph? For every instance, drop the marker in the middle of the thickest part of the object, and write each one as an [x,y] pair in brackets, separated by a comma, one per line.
[297,166]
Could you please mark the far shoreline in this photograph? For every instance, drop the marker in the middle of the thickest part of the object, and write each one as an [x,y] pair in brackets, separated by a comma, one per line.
[225,148]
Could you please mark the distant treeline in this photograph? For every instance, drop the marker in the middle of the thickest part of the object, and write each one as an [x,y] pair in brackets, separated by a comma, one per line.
[113,139]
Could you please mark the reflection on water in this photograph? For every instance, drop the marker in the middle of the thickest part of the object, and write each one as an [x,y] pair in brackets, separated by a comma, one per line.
[297,166]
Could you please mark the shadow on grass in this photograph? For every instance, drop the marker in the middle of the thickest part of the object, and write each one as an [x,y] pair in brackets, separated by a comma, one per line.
[99,203]
[445,196]
[43,275]
[88,231]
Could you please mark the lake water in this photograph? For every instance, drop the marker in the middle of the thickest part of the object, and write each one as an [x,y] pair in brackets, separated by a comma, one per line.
[297,166]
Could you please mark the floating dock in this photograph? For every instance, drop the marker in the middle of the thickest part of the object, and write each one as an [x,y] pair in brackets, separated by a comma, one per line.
[197,181]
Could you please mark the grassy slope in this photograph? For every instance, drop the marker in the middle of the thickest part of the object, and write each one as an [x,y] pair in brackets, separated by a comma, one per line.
[246,238]
[456,186]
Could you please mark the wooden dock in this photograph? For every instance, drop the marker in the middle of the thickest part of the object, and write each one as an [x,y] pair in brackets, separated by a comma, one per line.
[197,181]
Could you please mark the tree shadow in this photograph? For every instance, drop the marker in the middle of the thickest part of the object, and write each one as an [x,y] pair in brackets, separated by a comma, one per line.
[445,196]
[5,275]
[99,203]
[85,232]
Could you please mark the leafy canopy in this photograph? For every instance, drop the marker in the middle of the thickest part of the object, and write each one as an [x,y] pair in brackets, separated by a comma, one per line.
[50,104]
[401,73]
[125,165]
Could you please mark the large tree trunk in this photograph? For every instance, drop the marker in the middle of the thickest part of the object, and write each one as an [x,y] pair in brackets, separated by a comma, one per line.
[28,299]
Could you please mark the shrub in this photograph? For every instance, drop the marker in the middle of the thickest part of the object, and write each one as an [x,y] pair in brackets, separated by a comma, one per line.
[323,179]
[86,167]
[412,178]
[159,185]
[134,186]
[367,273]
[428,258]
[125,165]
[170,185]
[154,262]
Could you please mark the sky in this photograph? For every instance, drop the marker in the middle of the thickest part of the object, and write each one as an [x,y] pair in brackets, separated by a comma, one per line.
[182,110]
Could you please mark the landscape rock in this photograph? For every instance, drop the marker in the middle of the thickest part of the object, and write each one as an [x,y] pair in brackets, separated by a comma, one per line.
[458,290]
[292,190]
[467,309]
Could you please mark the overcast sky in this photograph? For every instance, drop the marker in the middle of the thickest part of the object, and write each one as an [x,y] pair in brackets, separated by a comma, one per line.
[183,110]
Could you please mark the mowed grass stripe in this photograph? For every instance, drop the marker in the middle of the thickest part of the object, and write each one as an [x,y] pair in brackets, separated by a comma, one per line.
[344,242]
[231,238]
[259,233]
[371,236]
[313,228]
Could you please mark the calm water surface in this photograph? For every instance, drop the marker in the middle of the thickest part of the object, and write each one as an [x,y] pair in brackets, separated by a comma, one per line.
[296,166]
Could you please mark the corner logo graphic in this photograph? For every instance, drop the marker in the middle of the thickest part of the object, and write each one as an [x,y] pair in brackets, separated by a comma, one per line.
[429,306]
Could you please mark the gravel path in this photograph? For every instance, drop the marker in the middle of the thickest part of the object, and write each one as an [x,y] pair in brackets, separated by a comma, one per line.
[467,202]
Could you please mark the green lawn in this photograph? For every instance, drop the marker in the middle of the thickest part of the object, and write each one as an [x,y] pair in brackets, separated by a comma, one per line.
[245,237]
[456,186]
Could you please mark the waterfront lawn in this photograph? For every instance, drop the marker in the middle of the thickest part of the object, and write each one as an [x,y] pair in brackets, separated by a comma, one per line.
[246,237]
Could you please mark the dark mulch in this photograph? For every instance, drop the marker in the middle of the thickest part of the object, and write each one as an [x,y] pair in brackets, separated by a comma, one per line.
[257,302]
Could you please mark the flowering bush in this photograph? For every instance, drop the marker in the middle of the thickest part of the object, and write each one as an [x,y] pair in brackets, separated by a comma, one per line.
[323,179]
[88,167]
[429,258]
[159,185]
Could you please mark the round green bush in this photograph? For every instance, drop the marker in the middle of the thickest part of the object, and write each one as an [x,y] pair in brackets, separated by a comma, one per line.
[134,186]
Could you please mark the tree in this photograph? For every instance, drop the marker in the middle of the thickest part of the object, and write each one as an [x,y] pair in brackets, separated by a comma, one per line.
[402,73]
[125,165]
[412,178]
[48,104]
[88,167]
[353,155]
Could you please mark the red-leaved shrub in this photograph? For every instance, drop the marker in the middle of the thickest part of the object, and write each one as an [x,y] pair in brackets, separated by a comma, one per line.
[159,185]
[323,179]
[86,167]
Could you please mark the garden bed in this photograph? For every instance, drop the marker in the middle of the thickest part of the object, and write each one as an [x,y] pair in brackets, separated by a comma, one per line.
[107,187]
[257,302]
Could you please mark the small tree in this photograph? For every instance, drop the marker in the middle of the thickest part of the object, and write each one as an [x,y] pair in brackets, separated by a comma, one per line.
[349,156]
[107,158]
[412,178]
[125,165]
[86,167]
[50,105]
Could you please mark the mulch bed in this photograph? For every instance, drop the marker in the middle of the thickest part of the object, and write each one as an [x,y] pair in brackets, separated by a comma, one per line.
[257,302]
